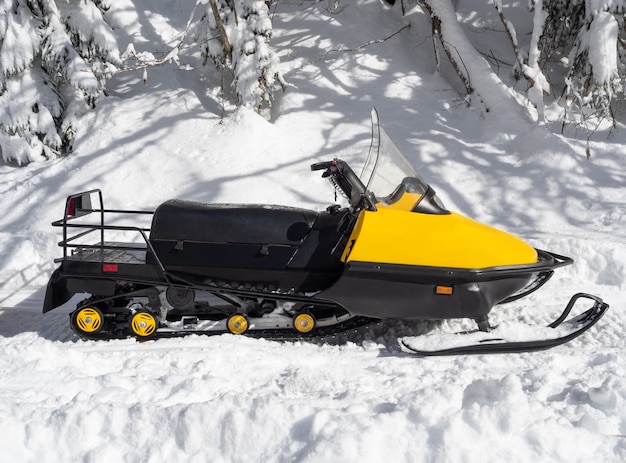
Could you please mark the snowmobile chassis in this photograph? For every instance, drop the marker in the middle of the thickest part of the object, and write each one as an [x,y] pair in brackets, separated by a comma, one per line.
[117,273]
[281,272]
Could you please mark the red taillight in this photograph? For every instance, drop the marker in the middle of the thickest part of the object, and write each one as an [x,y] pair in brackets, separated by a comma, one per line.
[71,206]
[110,268]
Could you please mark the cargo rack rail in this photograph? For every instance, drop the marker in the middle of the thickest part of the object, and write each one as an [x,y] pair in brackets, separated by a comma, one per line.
[89,202]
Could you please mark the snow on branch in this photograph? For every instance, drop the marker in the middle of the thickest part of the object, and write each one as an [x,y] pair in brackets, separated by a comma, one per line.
[362,46]
[55,58]
[512,35]
[582,42]
[577,46]
[235,36]
[481,84]
[449,49]
[243,29]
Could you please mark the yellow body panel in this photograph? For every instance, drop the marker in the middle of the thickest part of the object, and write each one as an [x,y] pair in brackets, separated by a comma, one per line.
[396,236]
[406,202]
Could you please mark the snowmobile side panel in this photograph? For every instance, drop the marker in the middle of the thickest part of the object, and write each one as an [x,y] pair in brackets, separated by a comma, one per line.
[101,286]
[436,240]
[323,246]
[75,276]
[414,292]
[291,281]
[174,253]
[539,280]
[112,270]
[62,288]
[310,266]
[57,293]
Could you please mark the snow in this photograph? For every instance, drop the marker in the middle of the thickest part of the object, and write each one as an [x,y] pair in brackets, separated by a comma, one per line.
[19,51]
[357,398]
[603,39]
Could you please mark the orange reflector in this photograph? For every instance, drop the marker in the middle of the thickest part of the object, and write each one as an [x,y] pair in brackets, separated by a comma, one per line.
[110,268]
[446,290]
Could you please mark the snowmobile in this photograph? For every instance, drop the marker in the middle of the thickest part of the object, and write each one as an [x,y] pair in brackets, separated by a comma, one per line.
[392,252]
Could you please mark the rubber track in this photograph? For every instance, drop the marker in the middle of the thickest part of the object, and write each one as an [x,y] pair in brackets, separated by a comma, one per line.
[117,325]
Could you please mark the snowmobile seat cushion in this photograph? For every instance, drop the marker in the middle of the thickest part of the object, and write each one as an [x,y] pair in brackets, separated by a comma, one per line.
[226,223]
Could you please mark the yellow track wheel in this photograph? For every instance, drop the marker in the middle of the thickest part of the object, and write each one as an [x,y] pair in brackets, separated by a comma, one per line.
[304,322]
[143,324]
[87,320]
[237,324]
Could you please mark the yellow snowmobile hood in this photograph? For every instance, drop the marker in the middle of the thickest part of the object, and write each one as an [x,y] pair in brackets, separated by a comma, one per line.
[393,235]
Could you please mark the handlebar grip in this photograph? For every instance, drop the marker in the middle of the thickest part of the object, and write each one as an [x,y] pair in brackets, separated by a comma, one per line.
[322,165]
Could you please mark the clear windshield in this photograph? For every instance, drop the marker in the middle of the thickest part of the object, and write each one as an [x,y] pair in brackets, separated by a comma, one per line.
[387,172]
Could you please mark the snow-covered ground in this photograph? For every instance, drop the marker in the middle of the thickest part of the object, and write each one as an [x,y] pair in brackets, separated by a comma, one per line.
[357,399]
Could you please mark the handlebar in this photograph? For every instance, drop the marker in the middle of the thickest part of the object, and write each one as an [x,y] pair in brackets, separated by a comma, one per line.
[321,165]
[343,177]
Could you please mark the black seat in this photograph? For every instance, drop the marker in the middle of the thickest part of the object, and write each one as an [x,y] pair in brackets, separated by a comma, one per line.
[226,223]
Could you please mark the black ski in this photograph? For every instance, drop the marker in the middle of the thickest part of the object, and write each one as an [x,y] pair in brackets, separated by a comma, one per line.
[578,325]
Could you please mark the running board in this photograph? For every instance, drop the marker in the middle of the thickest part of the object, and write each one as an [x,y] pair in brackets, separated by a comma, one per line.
[558,332]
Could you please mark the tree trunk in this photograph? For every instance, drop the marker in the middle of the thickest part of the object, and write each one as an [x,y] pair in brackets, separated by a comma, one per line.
[476,74]
[451,52]
[220,27]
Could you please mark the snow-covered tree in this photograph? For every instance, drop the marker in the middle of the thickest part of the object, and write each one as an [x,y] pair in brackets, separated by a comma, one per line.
[55,57]
[235,35]
[576,52]
[590,37]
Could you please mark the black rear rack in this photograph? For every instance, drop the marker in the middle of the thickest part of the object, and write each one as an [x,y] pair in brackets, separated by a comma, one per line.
[86,203]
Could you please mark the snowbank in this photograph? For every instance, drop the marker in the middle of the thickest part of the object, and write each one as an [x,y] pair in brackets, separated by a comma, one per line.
[356,398]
